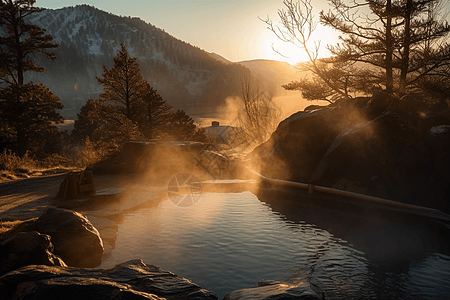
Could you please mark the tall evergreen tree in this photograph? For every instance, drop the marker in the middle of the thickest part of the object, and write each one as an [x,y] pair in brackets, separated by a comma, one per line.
[155,113]
[396,45]
[181,127]
[129,107]
[87,122]
[29,109]
[123,85]
[403,41]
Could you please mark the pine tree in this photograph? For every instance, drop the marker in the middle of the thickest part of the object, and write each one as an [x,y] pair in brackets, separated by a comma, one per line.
[123,85]
[28,109]
[155,115]
[400,46]
[181,127]
[87,122]
[402,40]
[129,107]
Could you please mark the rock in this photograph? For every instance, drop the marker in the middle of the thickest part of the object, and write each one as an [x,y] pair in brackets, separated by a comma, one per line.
[313,107]
[107,230]
[377,104]
[436,183]
[75,239]
[27,248]
[129,280]
[19,226]
[367,150]
[142,156]
[101,222]
[389,158]
[300,141]
[112,213]
[273,290]
[380,146]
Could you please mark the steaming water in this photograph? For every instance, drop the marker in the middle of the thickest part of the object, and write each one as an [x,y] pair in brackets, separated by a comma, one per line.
[231,241]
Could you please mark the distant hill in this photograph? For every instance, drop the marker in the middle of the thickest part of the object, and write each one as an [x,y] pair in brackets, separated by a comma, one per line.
[272,73]
[220,58]
[186,76]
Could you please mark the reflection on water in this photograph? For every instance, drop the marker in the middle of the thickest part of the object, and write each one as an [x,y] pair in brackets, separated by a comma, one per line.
[231,241]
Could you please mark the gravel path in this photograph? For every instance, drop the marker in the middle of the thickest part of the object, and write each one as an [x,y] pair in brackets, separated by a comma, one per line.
[28,198]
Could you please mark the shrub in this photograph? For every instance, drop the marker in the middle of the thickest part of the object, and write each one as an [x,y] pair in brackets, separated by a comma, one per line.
[10,162]
[89,154]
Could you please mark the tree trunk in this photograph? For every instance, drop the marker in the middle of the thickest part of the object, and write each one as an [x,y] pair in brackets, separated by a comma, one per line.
[21,141]
[406,46]
[389,50]
[150,122]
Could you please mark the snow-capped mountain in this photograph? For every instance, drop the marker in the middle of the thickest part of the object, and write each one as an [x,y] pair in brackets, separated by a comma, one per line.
[186,76]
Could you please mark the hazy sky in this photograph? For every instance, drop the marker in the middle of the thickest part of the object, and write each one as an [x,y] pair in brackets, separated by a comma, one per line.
[229,28]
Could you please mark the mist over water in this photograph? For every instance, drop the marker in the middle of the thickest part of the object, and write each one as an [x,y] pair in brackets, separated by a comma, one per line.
[229,241]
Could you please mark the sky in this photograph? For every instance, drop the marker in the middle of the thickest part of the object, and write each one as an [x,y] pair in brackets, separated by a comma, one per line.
[232,29]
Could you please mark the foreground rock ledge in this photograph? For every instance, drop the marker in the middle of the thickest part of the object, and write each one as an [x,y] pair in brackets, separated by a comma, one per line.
[130,280]
[75,239]
[276,290]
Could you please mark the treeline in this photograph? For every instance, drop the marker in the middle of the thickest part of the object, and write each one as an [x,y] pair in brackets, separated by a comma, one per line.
[129,108]
[182,73]
[399,47]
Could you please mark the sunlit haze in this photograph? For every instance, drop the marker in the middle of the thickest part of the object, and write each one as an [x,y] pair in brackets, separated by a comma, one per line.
[232,29]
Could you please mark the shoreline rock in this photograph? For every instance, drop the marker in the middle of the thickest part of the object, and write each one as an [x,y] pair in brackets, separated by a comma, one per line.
[74,237]
[276,290]
[26,248]
[129,280]
[379,146]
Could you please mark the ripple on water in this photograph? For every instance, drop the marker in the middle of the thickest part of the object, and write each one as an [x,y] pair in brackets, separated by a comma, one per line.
[231,241]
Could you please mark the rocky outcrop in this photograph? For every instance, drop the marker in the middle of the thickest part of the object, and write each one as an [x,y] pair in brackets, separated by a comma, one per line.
[107,230]
[300,141]
[150,156]
[129,280]
[27,248]
[75,239]
[275,290]
[380,146]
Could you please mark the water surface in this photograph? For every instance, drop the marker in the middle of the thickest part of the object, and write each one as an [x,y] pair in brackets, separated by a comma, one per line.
[228,241]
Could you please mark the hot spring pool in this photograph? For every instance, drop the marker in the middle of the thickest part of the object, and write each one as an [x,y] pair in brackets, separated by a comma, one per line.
[229,241]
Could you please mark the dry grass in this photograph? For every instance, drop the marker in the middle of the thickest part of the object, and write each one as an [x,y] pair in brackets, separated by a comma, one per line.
[8,225]
[89,154]
[11,226]
[15,164]
[13,167]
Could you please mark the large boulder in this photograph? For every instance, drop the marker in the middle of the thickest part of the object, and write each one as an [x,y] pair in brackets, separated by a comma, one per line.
[300,141]
[27,248]
[75,239]
[276,290]
[375,155]
[107,230]
[389,157]
[144,157]
[129,280]
[381,146]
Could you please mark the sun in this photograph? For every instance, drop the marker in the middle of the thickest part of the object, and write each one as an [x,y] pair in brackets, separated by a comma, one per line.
[273,48]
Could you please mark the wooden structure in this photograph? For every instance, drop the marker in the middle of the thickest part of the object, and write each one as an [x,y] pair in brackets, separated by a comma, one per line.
[76,184]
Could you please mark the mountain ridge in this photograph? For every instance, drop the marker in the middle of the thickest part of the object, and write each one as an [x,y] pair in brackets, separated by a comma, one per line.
[185,75]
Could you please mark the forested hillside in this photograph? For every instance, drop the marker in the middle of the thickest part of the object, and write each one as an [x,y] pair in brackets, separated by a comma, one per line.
[186,76]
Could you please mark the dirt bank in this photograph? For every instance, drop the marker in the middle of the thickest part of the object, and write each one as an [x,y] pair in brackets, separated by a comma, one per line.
[28,198]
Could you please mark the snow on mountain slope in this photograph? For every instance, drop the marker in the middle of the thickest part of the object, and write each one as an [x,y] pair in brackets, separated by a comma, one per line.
[186,76]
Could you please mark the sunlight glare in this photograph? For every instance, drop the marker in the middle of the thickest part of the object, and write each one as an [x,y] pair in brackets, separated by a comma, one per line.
[293,54]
